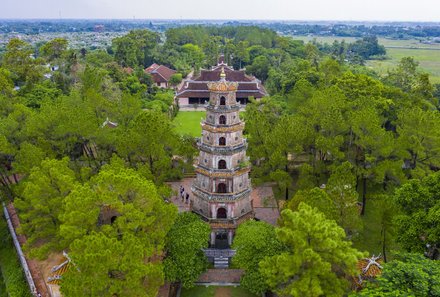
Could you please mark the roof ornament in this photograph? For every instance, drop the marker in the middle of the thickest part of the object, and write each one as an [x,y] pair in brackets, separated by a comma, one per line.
[223,74]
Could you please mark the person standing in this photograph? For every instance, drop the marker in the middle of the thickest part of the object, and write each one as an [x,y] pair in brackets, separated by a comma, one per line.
[180,191]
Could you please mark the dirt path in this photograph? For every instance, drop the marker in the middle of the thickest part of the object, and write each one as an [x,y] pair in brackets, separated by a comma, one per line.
[223,292]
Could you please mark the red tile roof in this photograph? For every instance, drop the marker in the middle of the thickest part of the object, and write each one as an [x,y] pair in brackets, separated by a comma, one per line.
[197,87]
[160,73]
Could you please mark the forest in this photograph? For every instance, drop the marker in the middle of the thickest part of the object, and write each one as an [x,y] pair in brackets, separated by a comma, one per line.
[354,157]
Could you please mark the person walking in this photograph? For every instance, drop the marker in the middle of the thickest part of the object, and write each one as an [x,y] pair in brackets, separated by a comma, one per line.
[180,191]
[187,198]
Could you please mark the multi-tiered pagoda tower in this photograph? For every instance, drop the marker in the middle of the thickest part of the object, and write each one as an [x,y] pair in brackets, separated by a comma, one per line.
[222,187]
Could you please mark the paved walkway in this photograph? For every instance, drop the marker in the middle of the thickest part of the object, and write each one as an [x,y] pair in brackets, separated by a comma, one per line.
[186,183]
[221,276]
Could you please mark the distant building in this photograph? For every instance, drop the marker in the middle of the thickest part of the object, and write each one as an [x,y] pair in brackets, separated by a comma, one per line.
[98,28]
[195,91]
[161,74]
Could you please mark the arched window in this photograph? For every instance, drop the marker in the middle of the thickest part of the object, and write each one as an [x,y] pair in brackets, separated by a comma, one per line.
[222,100]
[221,188]
[222,141]
[222,164]
[221,213]
[222,120]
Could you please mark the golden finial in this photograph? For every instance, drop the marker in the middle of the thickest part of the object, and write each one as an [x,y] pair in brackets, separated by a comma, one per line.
[223,74]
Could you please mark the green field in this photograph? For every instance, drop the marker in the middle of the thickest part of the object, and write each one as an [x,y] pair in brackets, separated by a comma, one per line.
[188,123]
[428,55]
[429,61]
[202,291]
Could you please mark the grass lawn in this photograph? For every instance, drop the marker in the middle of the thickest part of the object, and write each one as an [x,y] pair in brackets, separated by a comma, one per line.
[188,123]
[202,291]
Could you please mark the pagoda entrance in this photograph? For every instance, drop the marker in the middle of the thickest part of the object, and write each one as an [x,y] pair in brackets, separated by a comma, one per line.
[221,213]
[221,240]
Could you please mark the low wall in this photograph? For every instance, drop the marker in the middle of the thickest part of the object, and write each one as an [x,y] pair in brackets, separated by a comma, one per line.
[20,254]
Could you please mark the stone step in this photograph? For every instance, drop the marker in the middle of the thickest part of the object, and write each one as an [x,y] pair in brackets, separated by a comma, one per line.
[221,262]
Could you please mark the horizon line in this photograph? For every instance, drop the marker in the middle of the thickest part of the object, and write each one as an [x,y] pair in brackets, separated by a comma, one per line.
[217,20]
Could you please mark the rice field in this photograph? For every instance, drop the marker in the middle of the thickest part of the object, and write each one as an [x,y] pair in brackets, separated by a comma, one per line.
[428,55]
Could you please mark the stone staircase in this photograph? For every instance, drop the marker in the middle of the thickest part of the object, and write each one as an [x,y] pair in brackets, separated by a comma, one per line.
[221,262]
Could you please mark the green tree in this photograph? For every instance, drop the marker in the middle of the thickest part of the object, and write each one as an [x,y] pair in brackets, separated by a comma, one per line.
[316,198]
[19,61]
[136,48]
[185,259]
[6,83]
[341,187]
[420,138]
[150,140]
[41,204]
[107,266]
[115,226]
[419,204]
[318,258]
[193,55]
[254,241]
[54,48]
[259,67]
[175,79]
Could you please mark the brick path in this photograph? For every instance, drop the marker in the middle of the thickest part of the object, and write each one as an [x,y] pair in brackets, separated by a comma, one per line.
[221,276]
[186,183]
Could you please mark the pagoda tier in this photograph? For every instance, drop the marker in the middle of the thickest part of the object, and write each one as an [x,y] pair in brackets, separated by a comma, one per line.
[222,187]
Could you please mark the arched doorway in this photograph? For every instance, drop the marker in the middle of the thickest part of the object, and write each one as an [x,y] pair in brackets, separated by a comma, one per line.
[221,213]
[221,188]
[222,141]
[222,164]
[222,100]
[222,120]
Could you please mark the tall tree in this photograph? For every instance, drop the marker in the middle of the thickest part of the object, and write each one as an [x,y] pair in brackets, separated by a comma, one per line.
[118,220]
[185,259]
[41,204]
[19,61]
[318,258]
[254,241]
[418,223]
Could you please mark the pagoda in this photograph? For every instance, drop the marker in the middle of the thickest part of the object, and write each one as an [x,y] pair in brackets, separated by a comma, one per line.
[221,190]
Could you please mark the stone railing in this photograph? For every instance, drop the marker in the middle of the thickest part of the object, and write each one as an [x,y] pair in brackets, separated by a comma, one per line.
[222,128]
[199,191]
[221,173]
[224,108]
[221,149]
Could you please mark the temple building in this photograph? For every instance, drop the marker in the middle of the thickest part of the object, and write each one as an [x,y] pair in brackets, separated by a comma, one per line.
[221,190]
[195,91]
[161,75]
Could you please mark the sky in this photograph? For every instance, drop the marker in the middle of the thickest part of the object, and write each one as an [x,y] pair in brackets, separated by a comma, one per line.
[345,10]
